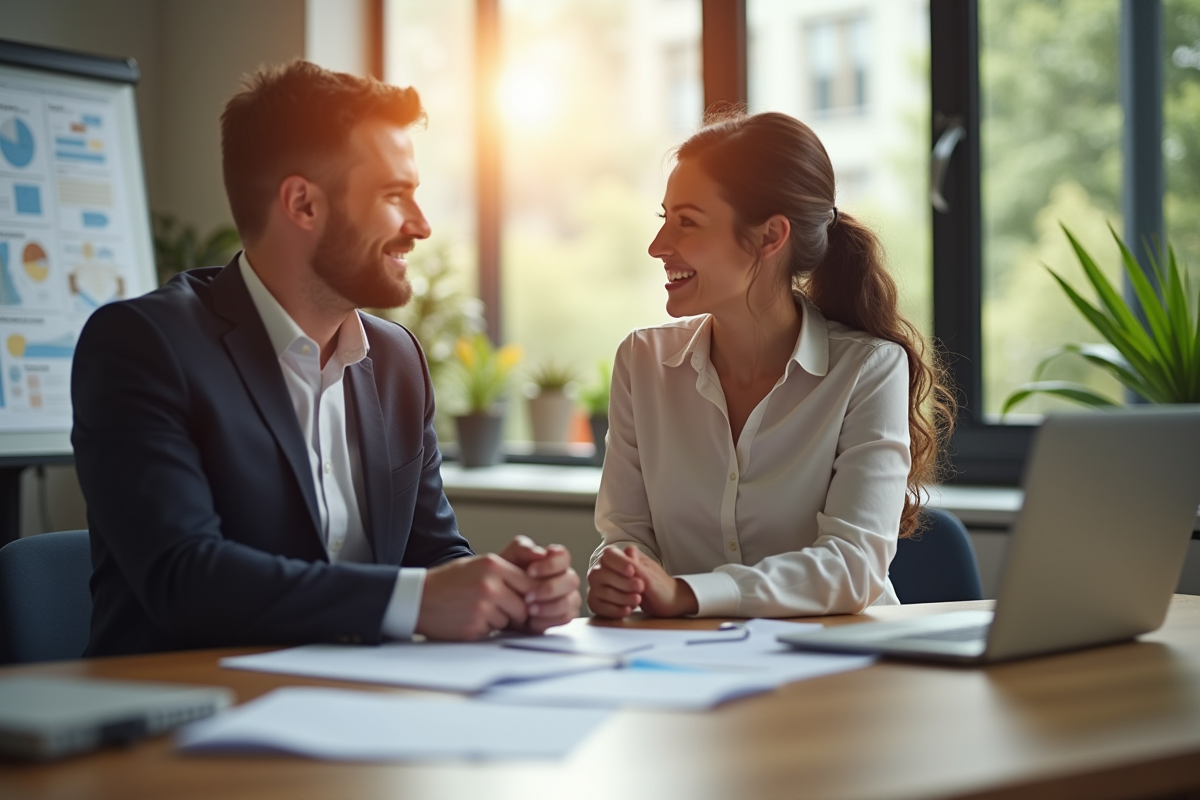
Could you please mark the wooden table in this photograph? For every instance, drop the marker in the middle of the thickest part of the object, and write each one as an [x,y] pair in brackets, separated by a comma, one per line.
[1113,722]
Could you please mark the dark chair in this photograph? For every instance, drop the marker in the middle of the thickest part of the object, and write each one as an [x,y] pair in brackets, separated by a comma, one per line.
[45,602]
[939,564]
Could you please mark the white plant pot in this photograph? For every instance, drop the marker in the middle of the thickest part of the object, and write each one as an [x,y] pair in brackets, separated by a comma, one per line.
[550,416]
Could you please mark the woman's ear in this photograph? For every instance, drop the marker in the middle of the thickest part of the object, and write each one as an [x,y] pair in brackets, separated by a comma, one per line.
[774,235]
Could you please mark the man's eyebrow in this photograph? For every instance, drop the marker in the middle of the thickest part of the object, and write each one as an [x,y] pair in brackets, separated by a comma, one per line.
[400,184]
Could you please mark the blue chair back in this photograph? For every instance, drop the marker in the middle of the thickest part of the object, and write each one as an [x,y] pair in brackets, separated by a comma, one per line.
[939,564]
[45,601]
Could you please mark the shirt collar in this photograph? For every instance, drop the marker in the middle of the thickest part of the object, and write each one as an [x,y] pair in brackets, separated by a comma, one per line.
[282,330]
[811,351]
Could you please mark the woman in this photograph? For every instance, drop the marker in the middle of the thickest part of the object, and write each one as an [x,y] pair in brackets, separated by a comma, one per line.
[767,449]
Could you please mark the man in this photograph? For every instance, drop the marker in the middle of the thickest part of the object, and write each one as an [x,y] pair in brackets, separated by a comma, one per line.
[258,457]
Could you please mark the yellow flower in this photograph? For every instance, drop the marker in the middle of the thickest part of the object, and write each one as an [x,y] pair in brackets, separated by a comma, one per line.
[508,356]
[466,354]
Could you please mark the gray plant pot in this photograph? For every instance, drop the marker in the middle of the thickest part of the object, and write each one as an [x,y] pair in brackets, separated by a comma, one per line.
[599,423]
[479,439]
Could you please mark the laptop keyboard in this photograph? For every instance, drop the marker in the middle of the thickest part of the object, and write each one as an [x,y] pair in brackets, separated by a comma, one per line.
[969,634]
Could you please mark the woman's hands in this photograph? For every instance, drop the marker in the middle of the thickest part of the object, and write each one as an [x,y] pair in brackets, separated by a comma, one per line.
[621,580]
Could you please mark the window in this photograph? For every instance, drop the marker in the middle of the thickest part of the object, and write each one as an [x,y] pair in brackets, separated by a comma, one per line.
[596,93]
[838,56]
[872,150]
[581,106]
[1050,137]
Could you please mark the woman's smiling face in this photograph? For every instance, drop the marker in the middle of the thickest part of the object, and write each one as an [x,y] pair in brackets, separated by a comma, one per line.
[707,268]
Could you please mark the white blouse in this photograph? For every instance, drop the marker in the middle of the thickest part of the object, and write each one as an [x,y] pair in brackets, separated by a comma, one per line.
[800,516]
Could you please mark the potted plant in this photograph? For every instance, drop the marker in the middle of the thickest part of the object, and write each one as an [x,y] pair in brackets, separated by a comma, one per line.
[594,398]
[1158,359]
[484,372]
[440,313]
[550,407]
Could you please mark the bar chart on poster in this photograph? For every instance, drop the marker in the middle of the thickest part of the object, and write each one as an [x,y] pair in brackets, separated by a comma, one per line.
[74,227]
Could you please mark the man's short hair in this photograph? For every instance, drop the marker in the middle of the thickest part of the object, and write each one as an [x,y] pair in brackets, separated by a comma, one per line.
[295,119]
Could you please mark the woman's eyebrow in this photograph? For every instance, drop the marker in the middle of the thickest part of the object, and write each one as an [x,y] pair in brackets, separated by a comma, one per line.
[684,207]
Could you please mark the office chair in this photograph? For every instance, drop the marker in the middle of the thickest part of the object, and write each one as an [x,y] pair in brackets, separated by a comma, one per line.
[45,601]
[939,565]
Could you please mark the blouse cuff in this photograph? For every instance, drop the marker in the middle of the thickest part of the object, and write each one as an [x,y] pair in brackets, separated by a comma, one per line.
[716,593]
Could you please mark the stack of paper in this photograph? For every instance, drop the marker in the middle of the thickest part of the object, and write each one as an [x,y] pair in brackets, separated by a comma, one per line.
[348,725]
[576,666]
[449,666]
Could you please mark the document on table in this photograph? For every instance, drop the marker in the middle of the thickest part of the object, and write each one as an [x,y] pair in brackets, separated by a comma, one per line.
[580,637]
[345,725]
[634,687]
[759,654]
[449,666]
[690,677]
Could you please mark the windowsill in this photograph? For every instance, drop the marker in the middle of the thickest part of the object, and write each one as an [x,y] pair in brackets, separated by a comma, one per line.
[543,484]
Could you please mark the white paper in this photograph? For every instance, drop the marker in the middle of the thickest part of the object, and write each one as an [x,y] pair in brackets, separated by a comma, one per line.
[582,638]
[344,725]
[449,666]
[759,654]
[635,687]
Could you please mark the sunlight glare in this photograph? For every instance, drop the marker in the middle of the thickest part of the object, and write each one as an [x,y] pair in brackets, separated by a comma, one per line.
[526,98]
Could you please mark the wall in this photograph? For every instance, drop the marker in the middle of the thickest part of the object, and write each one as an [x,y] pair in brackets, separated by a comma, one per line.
[208,47]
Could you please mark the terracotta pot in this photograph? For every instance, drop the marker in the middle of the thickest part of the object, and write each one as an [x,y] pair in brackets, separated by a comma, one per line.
[480,437]
[599,423]
[550,416]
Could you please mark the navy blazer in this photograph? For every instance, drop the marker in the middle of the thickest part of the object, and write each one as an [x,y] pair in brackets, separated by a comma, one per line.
[201,506]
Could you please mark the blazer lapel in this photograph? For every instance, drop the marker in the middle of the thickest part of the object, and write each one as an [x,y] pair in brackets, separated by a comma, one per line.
[364,410]
[250,349]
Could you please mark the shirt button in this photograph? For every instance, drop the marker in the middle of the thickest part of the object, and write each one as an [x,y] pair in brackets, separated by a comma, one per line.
[328,467]
[305,349]
[732,546]
[733,476]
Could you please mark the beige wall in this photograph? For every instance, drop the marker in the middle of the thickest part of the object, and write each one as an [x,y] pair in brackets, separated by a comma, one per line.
[208,47]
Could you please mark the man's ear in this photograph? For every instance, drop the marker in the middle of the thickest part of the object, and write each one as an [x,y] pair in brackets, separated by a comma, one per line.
[774,235]
[302,202]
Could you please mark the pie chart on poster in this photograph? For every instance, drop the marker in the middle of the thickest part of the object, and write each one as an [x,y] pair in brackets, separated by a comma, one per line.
[37,263]
[16,142]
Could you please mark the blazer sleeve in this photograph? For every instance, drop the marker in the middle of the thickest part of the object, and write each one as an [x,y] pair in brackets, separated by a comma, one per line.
[435,538]
[150,502]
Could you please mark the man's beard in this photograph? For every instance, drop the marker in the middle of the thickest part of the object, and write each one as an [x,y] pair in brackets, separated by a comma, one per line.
[359,276]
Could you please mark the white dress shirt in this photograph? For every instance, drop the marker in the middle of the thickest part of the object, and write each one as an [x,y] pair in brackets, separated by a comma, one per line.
[335,464]
[801,515]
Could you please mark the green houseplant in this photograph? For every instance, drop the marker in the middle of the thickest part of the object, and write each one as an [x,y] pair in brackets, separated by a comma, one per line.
[178,247]
[1159,359]
[485,373]
[594,398]
[550,406]
[439,313]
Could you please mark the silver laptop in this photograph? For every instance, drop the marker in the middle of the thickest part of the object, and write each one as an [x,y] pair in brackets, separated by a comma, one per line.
[1110,504]
[45,717]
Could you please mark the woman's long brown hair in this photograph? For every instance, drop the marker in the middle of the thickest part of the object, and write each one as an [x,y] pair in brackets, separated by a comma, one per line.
[768,164]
